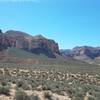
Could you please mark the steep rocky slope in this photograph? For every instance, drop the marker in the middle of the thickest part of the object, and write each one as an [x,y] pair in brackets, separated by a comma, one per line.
[35,44]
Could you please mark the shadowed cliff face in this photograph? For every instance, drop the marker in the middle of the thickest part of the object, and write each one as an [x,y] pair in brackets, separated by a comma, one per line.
[35,44]
[6,42]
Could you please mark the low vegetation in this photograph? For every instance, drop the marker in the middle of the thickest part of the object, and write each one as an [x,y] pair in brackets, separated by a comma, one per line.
[4,90]
[21,95]
[48,84]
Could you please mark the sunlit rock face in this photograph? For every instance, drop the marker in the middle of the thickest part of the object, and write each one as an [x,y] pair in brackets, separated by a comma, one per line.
[36,44]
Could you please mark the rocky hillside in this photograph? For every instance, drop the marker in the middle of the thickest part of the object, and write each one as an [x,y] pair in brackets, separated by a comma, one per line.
[85,53]
[35,44]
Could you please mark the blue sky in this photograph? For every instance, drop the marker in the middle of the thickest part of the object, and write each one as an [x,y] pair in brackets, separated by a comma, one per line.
[69,22]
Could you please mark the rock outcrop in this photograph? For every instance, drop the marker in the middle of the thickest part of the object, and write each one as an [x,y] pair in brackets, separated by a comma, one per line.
[82,53]
[35,44]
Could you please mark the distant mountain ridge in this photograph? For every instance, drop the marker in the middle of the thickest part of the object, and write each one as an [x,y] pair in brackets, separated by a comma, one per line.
[84,53]
[39,45]
[35,44]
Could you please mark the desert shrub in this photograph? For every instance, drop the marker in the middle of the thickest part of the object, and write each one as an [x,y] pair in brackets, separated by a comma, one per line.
[91,98]
[86,87]
[48,95]
[34,97]
[4,90]
[23,84]
[21,95]
[35,84]
[95,94]
[70,91]
[79,93]
[47,85]
[19,83]
[4,83]
[7,71]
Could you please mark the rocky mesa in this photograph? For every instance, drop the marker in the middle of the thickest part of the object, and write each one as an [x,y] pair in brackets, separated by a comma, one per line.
[35,44]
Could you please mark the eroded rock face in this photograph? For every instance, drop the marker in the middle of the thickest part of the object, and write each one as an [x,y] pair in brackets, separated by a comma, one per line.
[87,51]
[37,44]
[6,42]
[46,46]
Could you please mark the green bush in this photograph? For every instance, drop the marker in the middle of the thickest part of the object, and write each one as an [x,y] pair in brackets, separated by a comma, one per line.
[4,83]
[4,90]
[23,84]
[34,97]
[91,98]
[21,95]
[35,84]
